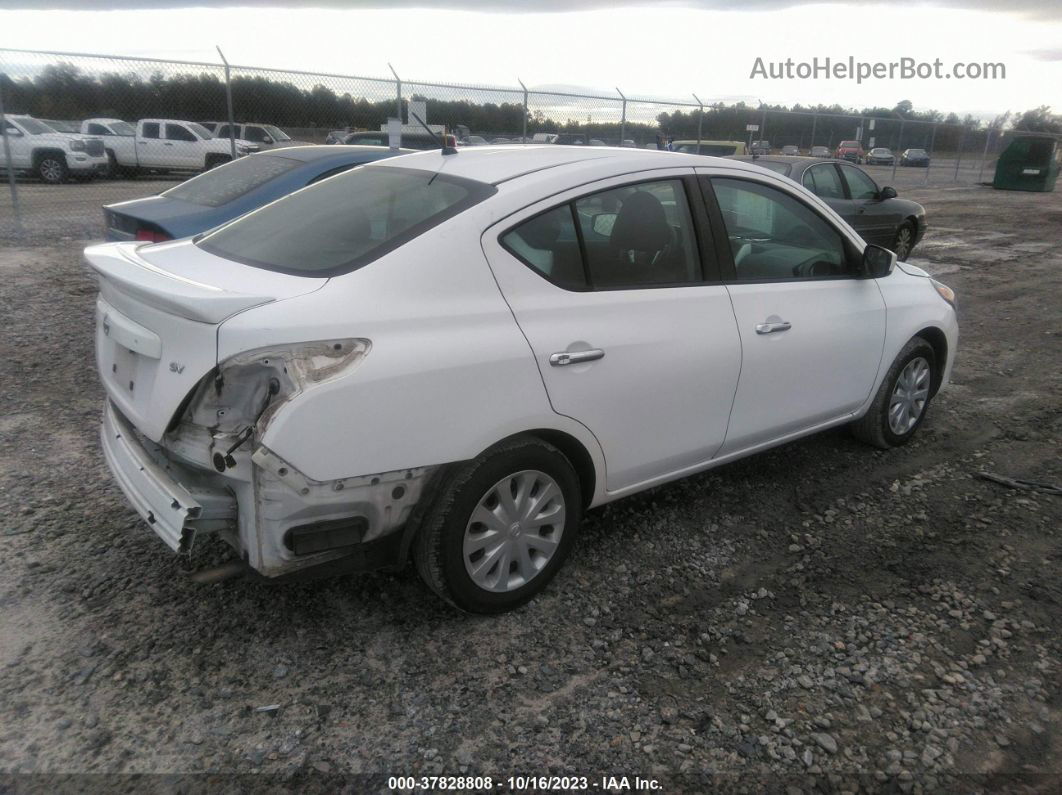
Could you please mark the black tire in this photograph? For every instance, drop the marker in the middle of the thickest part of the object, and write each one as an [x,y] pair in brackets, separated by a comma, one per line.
[874,427]
[903,241]
[51,168]
[438,545]
[112,166]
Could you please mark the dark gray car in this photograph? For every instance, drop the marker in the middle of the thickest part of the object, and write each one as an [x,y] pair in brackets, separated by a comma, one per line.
[876,213]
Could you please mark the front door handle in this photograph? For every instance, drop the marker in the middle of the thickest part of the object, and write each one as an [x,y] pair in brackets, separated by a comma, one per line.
[770,328]
[575,357]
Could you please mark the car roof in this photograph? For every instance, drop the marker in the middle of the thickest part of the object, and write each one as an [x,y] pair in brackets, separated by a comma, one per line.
[496,164]
[318,151]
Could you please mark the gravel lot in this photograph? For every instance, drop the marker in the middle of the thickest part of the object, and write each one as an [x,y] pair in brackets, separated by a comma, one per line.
[824,616]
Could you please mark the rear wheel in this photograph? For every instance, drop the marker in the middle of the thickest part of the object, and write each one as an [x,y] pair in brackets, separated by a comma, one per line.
[112,165]
[52,169]
[904,241]
[902,400]
[500,526]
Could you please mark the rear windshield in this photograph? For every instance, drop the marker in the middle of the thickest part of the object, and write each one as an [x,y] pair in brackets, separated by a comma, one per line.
[225,183]
[776,167]
[345,222]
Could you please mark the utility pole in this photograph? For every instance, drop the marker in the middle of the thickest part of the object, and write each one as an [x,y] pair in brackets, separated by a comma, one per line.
[228,101]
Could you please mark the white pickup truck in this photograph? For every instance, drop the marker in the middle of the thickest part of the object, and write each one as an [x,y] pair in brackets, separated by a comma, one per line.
[53,156]
[162,145]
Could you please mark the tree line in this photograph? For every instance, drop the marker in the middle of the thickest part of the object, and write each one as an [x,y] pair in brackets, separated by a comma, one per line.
[64,91]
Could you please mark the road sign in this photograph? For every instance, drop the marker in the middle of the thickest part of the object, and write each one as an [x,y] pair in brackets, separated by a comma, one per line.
[752,127]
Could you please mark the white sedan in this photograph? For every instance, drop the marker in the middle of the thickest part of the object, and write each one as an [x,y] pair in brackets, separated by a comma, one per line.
[450,357]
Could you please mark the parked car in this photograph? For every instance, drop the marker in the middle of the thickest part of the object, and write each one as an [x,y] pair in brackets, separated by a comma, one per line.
[760,148]
[421,357]
[336,136]
[52,156]
[474,140]
[409,140]
[570,139]
[597,142]
[877,214]
[714,148]
[850,150]
[821,151]
[790,151]
[232,189]
[498,141]
[544,138]
[628,142]
[162,145]
[915,157]
[880,156]
[264,136]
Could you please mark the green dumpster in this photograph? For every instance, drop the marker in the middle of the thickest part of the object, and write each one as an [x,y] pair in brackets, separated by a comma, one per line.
[1030,162]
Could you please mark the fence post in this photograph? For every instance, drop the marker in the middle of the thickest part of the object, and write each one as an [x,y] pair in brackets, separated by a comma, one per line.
[929,165]
[9,162]
[228,101]
[523,135]
[398,94]
[623,120]
[958,155]
[896,154]
[814,123]
[984,157]
[700,120]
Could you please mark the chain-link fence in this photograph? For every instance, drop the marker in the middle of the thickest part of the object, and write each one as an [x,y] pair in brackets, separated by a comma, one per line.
[156,120]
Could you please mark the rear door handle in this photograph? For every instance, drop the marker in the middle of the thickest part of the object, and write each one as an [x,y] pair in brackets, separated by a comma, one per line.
[574,357]
[770,328]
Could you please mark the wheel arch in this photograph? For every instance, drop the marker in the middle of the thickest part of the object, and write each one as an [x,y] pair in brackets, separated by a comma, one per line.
[38,154]
[938,341]
[578,456]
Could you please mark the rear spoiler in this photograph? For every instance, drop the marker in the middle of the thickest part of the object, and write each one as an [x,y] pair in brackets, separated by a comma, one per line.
[120,265]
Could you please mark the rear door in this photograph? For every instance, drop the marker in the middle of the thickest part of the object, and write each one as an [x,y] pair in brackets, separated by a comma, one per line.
[812,333]
[616,288]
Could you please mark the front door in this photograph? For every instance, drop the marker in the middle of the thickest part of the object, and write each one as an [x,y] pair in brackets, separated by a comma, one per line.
[812,333]
[632,332]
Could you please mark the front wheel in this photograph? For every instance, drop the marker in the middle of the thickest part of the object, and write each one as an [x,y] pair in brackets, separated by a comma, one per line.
[216,160]
[52,169]
[904,241]
[902,400]
[500,526]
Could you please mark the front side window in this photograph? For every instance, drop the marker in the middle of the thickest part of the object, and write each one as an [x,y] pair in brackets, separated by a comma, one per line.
[151,129]
[776,237]
[254,134]
[824,182]
[631,237]
[225,183]
[175,132]
[98,129]
[342,224]
[860,186]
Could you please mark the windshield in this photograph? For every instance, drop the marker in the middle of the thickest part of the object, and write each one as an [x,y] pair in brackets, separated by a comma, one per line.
[122,128]
[850,144]
[63,126]
[34,126]
[200,130]
[276,133]
[916,151]
[225,183]
[345,222]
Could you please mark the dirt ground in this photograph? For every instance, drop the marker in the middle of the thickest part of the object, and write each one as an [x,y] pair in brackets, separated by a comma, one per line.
[824,616]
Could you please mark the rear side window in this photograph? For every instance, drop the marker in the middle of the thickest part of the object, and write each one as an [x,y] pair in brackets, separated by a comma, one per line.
[631,237]
[151,129]
[824,182]
[344,223]
[225,183]
[860,186]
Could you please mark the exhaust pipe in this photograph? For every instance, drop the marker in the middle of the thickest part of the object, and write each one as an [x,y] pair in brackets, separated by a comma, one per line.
[215,574]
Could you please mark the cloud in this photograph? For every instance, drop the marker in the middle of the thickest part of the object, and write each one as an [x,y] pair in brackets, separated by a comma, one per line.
[1041,9]
[1050,54]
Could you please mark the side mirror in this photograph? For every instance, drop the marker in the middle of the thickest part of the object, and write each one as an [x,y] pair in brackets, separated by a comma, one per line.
[887,193]
[269,139]
[603,223]
[14,132]
[877,262]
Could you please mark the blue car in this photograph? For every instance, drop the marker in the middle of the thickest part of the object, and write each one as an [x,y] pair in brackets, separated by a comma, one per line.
[230,190]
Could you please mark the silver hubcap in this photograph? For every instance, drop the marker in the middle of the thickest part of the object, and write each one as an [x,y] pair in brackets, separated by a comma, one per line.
[903,242]
[514,531]
[51,170]
[909,396]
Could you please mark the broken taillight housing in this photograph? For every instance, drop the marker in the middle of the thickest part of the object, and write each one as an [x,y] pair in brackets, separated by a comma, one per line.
[247,389]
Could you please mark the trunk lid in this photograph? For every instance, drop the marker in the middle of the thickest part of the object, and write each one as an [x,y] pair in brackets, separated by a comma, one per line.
[157,318]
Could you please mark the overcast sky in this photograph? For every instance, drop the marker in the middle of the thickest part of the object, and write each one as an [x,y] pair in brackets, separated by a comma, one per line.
[659,49]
